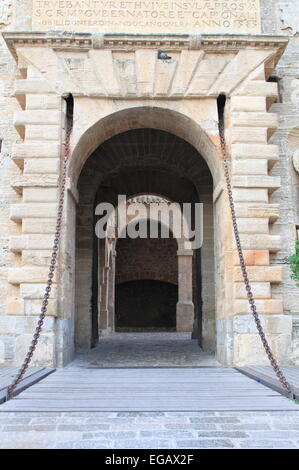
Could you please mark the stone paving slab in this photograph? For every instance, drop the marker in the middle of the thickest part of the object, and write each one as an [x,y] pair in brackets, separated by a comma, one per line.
[161,430]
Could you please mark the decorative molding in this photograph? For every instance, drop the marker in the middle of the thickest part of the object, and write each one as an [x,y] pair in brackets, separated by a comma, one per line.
[86,41]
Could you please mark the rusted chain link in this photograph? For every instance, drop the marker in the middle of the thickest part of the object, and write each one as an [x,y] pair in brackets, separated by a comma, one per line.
[251,300]
[52,267]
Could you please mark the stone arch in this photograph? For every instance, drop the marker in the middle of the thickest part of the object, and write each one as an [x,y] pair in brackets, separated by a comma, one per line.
[205,141]
[140,279]
[184,252]
[195,164]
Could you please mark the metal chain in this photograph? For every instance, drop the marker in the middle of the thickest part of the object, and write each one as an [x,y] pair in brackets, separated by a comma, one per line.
[52,267]
[251,300]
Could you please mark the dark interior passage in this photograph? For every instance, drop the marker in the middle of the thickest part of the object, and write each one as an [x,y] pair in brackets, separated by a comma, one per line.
[145,305]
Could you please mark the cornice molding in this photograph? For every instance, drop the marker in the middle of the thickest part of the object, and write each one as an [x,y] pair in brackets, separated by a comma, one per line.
[220,43]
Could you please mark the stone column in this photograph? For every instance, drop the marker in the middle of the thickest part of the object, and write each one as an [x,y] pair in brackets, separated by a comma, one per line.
[185,306]
[103,290]
[111,292]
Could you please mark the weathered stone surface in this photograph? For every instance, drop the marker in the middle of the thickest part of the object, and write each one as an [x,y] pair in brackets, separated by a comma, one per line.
[137,17]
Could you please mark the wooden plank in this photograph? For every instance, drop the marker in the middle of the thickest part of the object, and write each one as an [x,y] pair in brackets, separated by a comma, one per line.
[143,389]
[7,374]
[266,376]
[32,376]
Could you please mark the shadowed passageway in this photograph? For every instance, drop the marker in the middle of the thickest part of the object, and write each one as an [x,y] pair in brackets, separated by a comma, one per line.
[158,349]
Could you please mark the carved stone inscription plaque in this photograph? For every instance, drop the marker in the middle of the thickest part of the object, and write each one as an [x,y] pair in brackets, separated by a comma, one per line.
[163,16]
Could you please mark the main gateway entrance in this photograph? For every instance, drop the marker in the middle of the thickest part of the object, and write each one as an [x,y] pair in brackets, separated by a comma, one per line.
[145,284]
[144,126]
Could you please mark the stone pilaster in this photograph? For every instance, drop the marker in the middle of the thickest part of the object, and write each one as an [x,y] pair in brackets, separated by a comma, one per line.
[37,154]
[252,157]
[185,306]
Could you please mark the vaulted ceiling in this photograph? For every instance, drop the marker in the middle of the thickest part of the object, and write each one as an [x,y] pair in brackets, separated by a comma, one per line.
[144,161]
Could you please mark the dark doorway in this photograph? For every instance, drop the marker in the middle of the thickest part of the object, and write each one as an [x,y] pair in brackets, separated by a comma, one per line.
[146,305]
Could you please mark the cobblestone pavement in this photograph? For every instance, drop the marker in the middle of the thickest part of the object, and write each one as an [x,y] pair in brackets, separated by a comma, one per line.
[156,430]
[153,349]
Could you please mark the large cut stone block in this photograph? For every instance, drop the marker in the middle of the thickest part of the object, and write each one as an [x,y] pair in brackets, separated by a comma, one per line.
[36,150]
[259,274]
[41,165]
[254,150]
[257,181]
[39,194]
[184,316]
[257,210]
[249,134]
[260,242]
[260,290]
[33,86]
[35,291]
[28,274]
[46,101]
[250,195]
[39,132]
[242,103]
[250,167]
[248,349]
[259,88]
[252,257]
[34,210]
[38,226]
[250,225]
[45,352]
[250,119]
[49,116]
[269,306]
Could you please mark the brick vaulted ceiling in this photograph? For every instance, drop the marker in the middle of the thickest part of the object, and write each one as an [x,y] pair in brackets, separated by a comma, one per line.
[144,161]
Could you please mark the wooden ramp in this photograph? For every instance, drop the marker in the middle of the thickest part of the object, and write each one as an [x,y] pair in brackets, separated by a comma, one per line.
[148,389]
[31,376]
[266,376]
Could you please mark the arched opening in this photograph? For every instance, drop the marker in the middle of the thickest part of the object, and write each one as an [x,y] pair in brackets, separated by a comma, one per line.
[146,282]
[143,161]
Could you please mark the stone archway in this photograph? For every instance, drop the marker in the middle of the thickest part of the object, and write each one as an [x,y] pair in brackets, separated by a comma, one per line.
[159,251]
[164,164]
[178,97]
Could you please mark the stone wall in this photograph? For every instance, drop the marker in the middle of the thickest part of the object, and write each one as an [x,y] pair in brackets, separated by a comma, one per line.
[284,18]
[151,258]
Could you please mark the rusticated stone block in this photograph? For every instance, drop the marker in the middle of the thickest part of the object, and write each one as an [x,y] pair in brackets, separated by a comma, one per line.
[260,290]
[253,257]
[269,306]
[259,274]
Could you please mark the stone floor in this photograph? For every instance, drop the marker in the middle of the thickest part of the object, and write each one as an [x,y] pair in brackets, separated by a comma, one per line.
[154,430]
[154,349]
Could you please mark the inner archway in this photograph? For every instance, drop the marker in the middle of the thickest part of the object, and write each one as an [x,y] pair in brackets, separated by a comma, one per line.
[141,161]
[146,282]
